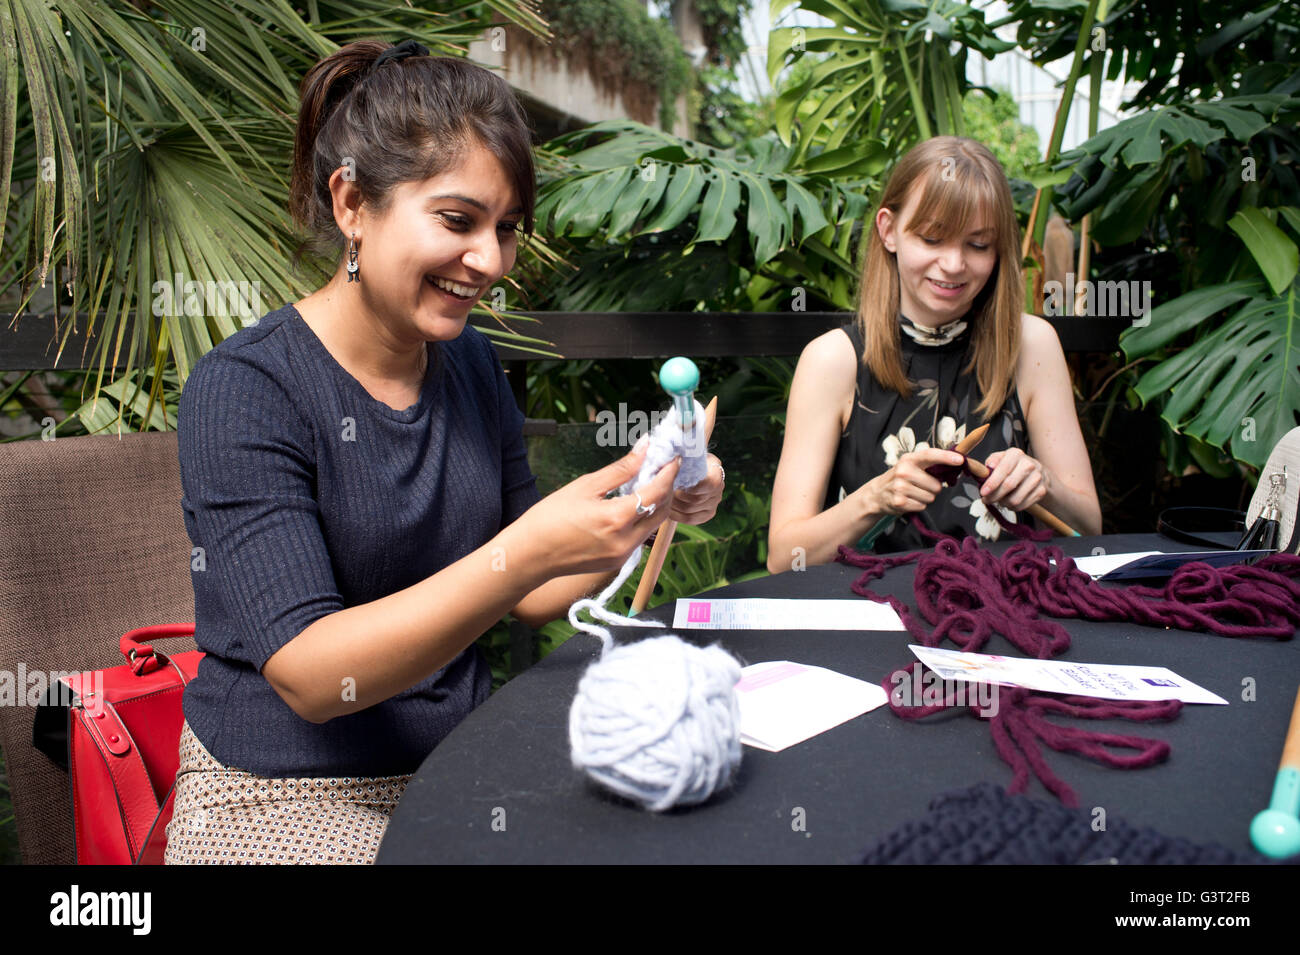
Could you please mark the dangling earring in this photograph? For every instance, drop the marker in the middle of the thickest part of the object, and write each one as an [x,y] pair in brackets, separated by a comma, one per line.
[354,270]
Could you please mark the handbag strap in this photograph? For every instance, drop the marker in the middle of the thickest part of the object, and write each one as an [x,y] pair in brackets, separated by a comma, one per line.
[155,843]
[141,656]
[1183,523]
[130,777]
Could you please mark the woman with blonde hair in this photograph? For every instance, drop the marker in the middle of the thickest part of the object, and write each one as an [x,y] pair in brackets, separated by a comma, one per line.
[940,346]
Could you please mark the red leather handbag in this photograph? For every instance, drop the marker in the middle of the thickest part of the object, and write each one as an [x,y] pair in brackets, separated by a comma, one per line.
[117,732]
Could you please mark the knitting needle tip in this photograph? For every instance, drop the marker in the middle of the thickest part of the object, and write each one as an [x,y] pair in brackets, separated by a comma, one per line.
[679,377]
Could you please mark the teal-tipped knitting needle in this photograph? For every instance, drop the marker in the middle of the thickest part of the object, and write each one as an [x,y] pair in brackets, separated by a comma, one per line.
[1276,831]
[679,377]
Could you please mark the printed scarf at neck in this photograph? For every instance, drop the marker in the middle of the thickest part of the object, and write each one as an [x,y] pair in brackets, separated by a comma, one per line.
[931,336]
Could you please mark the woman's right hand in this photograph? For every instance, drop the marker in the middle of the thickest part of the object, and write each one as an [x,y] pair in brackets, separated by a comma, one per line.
[906,487]
[579,530]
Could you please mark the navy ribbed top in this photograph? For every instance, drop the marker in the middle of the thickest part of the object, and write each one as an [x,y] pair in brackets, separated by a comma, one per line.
[304,495]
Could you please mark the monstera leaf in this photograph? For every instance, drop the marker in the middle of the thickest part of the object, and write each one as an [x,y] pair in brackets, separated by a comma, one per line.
[643,181]
[1126,175]
[882,72]
[1238,386]
[656,198]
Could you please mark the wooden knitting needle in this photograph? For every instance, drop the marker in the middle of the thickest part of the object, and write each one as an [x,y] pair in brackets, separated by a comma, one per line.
[963,447]
[967,444]
[981,471]
[664,537]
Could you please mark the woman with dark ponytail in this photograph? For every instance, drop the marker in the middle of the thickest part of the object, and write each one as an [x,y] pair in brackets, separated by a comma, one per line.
[354,476]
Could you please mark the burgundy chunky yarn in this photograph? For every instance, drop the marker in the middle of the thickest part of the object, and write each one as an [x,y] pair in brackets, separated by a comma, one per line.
[967,594]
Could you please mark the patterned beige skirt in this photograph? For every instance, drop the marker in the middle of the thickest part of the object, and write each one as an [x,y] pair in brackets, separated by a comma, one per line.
[230,816]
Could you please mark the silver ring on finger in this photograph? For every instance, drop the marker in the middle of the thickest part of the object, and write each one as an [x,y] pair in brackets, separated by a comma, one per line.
[643,510]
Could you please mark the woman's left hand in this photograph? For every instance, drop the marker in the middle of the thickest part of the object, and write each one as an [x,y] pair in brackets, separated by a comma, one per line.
[698,504]
[1017,480]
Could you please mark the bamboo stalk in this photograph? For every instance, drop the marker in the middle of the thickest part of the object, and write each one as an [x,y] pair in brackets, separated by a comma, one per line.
[1081,275]
[1097,63]
[1037,226]
[1029,227]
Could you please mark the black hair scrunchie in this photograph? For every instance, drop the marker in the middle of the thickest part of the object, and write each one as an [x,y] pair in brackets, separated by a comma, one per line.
[399,52]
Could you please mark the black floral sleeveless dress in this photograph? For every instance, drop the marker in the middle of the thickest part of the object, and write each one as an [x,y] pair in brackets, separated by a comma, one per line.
[884,425]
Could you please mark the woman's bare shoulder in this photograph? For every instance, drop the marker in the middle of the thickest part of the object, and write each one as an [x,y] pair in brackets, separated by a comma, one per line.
[827,375]
[1041,367]
[831,355]
[1037,336]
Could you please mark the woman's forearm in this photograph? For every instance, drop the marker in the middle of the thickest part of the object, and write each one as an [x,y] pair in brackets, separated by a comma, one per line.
[816,540]
[552,600]
[1079,509]
[363,655]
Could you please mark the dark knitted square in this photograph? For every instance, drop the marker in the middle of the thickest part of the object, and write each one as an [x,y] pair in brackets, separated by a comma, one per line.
[983,825]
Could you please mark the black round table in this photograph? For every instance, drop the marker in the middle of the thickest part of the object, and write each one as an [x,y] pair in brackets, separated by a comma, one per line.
[501,788]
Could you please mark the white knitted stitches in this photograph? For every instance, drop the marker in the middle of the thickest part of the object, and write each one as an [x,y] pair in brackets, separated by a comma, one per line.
[666,442]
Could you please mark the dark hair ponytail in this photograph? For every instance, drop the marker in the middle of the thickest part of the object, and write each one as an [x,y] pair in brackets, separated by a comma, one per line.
[406,121]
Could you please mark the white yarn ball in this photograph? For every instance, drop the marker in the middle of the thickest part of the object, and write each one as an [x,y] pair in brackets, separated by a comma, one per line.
[658,722]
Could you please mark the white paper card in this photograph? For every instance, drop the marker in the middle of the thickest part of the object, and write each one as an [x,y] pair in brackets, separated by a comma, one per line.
[1105,681]
[1101,564]
[783,703]
[760,613]
[1154,563]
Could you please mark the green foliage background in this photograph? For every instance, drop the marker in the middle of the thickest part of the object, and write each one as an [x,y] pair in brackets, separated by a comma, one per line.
[628,44]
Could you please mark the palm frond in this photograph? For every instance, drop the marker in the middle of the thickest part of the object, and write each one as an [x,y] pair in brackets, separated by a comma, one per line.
[149,149]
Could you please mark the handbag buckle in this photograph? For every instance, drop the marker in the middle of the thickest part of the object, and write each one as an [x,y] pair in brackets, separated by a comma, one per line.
[145,659]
